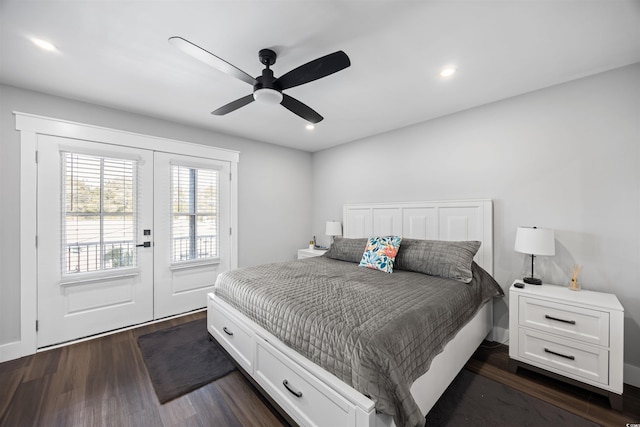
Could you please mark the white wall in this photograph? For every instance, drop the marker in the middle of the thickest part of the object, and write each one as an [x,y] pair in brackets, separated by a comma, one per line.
[566,157]
[274,187]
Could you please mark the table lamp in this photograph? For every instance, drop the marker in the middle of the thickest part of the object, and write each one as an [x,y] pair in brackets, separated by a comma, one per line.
[334,228]
[534,241]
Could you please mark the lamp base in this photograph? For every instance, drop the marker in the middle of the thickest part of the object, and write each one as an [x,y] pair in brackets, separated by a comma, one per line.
[532,281]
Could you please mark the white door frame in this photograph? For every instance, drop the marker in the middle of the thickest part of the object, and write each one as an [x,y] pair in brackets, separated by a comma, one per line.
[30,126]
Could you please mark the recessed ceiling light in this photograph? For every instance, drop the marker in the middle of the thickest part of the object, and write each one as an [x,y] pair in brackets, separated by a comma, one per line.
[310,126]
[447,72]
[44,45]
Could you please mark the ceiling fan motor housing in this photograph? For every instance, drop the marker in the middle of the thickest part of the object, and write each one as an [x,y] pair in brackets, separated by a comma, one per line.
[265,90]
[265,81]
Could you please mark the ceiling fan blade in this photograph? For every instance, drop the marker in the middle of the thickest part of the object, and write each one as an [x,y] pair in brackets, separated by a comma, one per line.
[210,59]
[302,110]
[314,70]
[232,106]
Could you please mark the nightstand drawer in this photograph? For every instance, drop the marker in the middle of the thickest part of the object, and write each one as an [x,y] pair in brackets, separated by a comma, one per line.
[582,324]
[564,357]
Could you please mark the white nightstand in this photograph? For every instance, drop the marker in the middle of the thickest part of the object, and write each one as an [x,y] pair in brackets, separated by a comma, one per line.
[308,253]
[574,336]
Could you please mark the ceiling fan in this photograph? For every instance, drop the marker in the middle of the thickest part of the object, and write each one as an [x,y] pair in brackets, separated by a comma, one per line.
[267,88]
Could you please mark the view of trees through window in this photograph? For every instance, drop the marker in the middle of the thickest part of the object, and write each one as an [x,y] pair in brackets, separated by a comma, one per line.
[194,209]
[99,213]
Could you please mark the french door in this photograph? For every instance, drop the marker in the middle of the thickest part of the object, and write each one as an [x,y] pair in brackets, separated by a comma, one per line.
[192,230]
[125,235]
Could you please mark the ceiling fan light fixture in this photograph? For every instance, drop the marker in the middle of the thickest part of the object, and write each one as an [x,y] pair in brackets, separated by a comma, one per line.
[267,96]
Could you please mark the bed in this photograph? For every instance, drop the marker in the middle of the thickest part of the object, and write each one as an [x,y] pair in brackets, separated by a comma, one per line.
[342,345]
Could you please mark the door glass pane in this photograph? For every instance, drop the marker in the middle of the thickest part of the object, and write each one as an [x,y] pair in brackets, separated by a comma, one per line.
[118,240]
[118,186]
[206,246]
[81,243]
[180,231]
[98,218]
[194,220]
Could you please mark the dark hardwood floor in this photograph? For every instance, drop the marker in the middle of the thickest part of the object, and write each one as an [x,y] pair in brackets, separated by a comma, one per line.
[491,360]
[103,382]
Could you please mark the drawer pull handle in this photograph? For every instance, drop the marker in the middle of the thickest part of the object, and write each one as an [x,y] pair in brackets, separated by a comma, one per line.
[571,322]
[226,331]
[546,350]
[292,391]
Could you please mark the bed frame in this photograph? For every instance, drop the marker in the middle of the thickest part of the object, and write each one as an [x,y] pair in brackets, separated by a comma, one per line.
[310,395]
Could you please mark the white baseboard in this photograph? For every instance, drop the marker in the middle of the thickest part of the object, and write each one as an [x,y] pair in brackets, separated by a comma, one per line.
[12,350]
[632,375]
[500,334]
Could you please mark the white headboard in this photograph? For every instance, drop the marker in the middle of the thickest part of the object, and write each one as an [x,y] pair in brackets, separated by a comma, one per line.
[440,220]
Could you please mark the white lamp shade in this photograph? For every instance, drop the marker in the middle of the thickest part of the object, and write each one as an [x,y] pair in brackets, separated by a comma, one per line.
[334,228]
[535,241]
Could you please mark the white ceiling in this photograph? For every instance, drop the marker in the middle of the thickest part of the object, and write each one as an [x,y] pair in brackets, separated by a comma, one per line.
[116,54]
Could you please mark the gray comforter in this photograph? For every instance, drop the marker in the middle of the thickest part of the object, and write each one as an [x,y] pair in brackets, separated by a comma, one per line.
[375,331]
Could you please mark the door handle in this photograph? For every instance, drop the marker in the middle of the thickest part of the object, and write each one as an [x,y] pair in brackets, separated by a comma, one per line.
[144,245]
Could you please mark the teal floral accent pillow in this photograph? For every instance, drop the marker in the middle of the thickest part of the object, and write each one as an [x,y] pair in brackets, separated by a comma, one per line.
[380,253]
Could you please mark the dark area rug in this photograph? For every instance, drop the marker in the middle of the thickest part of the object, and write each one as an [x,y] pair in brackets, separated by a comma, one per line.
[474,400]
[181,359]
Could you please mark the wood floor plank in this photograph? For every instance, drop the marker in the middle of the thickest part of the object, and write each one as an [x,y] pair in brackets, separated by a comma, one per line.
[211,406]
[246,403]
[25,405]
[43,364]
[11,375]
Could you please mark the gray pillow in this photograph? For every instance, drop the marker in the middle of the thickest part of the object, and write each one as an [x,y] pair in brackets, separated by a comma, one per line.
[350,250]
[451,260]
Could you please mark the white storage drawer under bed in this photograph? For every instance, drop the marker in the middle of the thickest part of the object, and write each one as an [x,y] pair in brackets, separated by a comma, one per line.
[307,400]
[235,337]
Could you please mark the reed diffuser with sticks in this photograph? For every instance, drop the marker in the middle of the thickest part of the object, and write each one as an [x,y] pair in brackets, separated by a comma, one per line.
[573,284]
